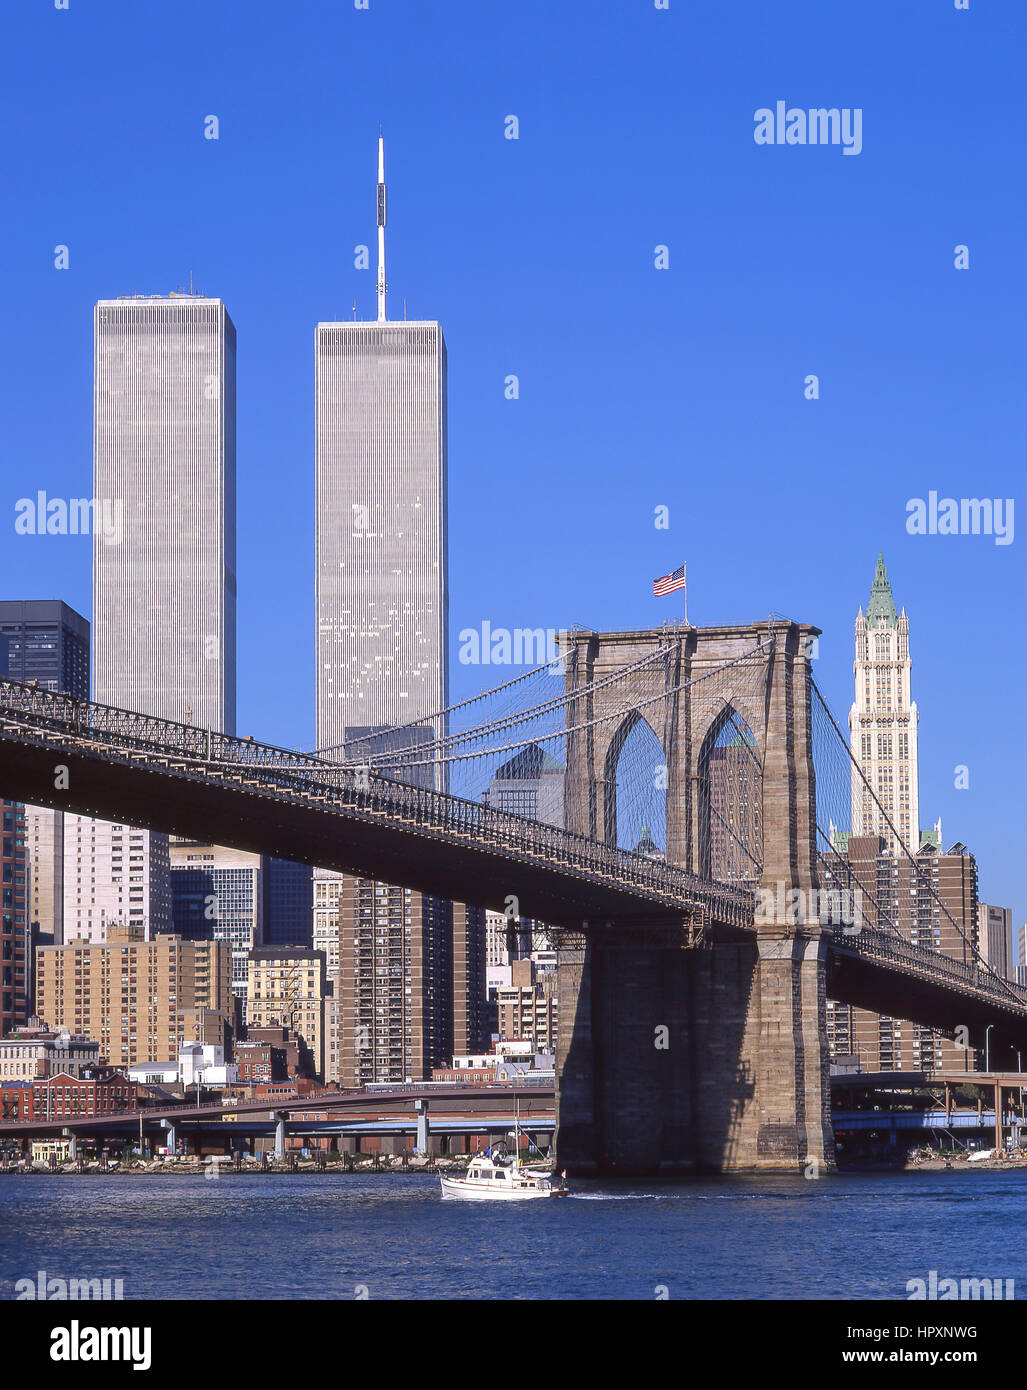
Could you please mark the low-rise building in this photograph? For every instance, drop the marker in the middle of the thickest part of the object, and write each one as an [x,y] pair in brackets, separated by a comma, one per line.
[69,1097]
[37,1051]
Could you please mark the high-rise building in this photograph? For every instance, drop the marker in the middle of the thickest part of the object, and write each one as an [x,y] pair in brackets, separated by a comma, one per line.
[327,886]
[905,882]
[995,936]
[381,659]
[164,450]
[394,983]
[530,784]
[217,895]
[48,643]
[140,1000]
[929,900]
[469,1010]
[287,989]
[164,576]
[529,1007]
[381,520]
[14,925]
[883,721]
[733,783]
[114,875]
[287,903]
[15,939]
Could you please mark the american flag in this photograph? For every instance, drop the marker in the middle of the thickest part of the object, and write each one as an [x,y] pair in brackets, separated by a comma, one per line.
[667,583]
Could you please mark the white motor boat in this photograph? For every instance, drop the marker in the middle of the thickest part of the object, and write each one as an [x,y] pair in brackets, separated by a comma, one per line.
[491,1180]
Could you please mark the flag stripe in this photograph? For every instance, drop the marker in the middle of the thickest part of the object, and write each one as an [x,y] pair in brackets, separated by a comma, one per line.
[667,583]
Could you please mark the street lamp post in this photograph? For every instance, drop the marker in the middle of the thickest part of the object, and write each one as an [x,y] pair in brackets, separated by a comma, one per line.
[987,1053]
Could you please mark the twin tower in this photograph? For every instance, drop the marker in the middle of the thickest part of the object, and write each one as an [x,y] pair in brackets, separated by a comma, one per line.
[164,596]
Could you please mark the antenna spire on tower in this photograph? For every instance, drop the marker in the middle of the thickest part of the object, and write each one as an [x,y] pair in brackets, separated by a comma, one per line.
[381,227]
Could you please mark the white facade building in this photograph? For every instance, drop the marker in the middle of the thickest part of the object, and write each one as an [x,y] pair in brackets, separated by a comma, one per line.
[883,721]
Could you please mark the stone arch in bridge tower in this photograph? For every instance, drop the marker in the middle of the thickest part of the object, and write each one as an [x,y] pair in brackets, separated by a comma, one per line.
[683,691]
[727,795]
[615,818]
[602,717]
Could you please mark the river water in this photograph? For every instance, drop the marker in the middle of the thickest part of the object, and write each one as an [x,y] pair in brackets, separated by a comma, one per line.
[390,1236]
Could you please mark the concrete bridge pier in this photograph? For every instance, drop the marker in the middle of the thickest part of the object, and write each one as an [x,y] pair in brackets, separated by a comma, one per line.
[69,1134]
[279,1119]
[421,1109]
[170,1135]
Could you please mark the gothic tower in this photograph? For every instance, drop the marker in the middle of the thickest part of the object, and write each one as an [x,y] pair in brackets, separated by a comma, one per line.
[883,721]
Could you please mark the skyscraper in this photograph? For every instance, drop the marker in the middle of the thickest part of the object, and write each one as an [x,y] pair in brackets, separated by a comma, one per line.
[13,917]
[48,642]
[381,521]
[883,721]
[164,455]
[164,578]
[381,655]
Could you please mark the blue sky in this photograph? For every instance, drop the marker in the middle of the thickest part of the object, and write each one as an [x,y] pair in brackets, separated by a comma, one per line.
[639,388]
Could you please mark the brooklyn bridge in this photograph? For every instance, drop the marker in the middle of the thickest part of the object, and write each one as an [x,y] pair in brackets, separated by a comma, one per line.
[693,974]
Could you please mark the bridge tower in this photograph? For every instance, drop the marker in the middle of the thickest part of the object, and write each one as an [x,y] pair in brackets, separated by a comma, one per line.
[673,1055]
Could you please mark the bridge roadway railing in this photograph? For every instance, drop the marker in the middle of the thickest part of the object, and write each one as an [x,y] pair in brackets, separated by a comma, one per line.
[209,756]
[925,963]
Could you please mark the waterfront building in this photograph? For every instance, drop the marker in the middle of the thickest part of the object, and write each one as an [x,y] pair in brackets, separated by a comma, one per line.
[33,1051]
[468,1008]
[327,886]
[67,1097]
[394,982]
[140,1000]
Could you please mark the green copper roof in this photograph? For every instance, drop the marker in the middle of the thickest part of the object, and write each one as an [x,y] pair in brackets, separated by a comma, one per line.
[882,604]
